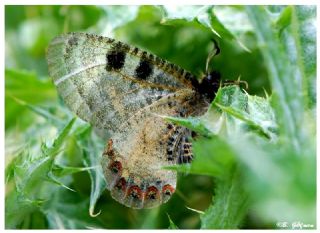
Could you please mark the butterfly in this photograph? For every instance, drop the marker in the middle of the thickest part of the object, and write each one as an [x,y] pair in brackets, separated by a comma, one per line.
[125,90]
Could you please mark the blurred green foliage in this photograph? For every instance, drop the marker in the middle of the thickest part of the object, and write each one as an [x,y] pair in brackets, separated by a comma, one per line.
[255,164]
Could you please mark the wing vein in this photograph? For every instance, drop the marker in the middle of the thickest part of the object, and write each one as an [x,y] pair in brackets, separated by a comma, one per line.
[77,71]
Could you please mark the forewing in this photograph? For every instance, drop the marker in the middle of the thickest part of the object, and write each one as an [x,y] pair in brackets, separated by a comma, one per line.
[105,82]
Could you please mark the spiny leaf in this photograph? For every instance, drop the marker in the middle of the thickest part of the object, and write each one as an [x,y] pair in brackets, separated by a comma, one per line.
[194,210]
[231,96]
[221,21]
[284,19]
[17,207]
[288,112]
[31,175]
[304,33]
[171,223]
[280,187]
[56,146]
[66,170]
[230,204]
[193,123]
[253,110]
[54,180]
[91,158]
[68,210]
[188,13]
[40,111]
[28,87]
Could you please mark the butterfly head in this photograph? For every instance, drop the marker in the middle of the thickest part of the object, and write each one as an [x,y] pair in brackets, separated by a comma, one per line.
[209,85]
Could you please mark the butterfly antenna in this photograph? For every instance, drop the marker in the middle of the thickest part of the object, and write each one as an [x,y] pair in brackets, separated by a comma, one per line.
[236,82]
[239,82]
[215,51]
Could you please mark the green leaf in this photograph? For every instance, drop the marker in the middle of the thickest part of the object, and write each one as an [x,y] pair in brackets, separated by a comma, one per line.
[284,187]
[206,16]
[233,24]
[208,159]
[284,19]
[253,110]
[92,152]
[24,84]
[53,150]
[51,178]
[193,123]
[17,208]
[288,113]
[171,224]
[188,13]
[150,219]
[218,27]
[230,204]
[304,33]
[45,113]
[68,210]
[30,180]
[28,87]
[65,170]
[115,17]
[231,96]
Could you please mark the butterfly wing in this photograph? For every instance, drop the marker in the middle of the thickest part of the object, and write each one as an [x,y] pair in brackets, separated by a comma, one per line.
[105,81]
[134,159]
[123,89]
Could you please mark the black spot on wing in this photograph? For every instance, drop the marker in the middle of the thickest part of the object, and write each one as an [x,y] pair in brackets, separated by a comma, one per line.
[143,70]
[116,56]
[115,60]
